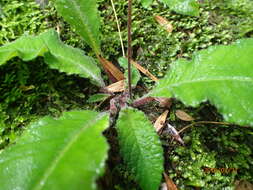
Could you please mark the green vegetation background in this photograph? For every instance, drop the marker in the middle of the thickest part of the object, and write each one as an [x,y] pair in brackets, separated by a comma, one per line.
[31,90]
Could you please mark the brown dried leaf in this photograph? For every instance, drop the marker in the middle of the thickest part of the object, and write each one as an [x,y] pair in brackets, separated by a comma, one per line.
[243,185]
[164,102]
[164,23]
[116,87]
[170,184]
[184,116]
[113,72]
[172,130]
[144,71]
[159,124]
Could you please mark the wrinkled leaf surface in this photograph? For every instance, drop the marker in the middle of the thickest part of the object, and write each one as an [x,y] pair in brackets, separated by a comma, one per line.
[221,74]
[57,55]
[140,147]
[83,16]
[64,153]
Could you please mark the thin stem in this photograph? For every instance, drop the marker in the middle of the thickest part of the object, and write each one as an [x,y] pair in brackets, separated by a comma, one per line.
[129,49]
[207,122]
[117,21]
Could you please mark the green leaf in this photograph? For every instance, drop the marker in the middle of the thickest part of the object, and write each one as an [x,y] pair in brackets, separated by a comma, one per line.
[140,147]
[146,3]
[185,7]
[57,55]
[26,47]
[83,16]
[221,74]
[98,98]
[70,60]
[136,76]
[64,153]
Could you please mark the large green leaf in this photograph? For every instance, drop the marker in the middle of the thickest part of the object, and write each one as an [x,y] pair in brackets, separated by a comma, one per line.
[221,74]
[140,147]
[82,15]
[57,55]
[186,7]
[64,153]
[98,98]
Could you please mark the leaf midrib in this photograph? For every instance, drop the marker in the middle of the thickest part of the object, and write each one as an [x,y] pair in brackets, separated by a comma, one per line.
[177,84]
[57,159]
[86,28]
[141,157]
[230,78]
[88,71]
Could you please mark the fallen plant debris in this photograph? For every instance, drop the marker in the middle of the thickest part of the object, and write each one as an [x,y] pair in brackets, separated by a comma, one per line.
[183,115]
[112,71]
[160,122]
[144,71]
[173,132]
[115,87]
[243,185]
[164,23]
[170,184]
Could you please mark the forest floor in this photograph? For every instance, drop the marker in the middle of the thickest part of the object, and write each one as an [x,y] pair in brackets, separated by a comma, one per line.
[30,91]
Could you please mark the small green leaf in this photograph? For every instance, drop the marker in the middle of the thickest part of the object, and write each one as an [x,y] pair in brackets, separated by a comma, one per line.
[221,74]
[136,76]
[98,98]
[64,153]
[57,55]
[140,147]
[185,7]
[83,16]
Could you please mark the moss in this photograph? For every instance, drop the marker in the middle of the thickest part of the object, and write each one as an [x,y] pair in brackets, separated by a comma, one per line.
[189,165]
[210,146]
[22,17]
[155,48]
[30,91]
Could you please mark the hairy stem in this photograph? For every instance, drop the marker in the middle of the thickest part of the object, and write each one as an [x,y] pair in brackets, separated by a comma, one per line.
[129,49]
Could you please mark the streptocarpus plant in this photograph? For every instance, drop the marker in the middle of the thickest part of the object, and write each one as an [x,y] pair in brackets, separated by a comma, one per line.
[69,152]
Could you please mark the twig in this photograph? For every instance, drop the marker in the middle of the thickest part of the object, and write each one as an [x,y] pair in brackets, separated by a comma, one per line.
[207,122]
[117,21]
[129,49]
